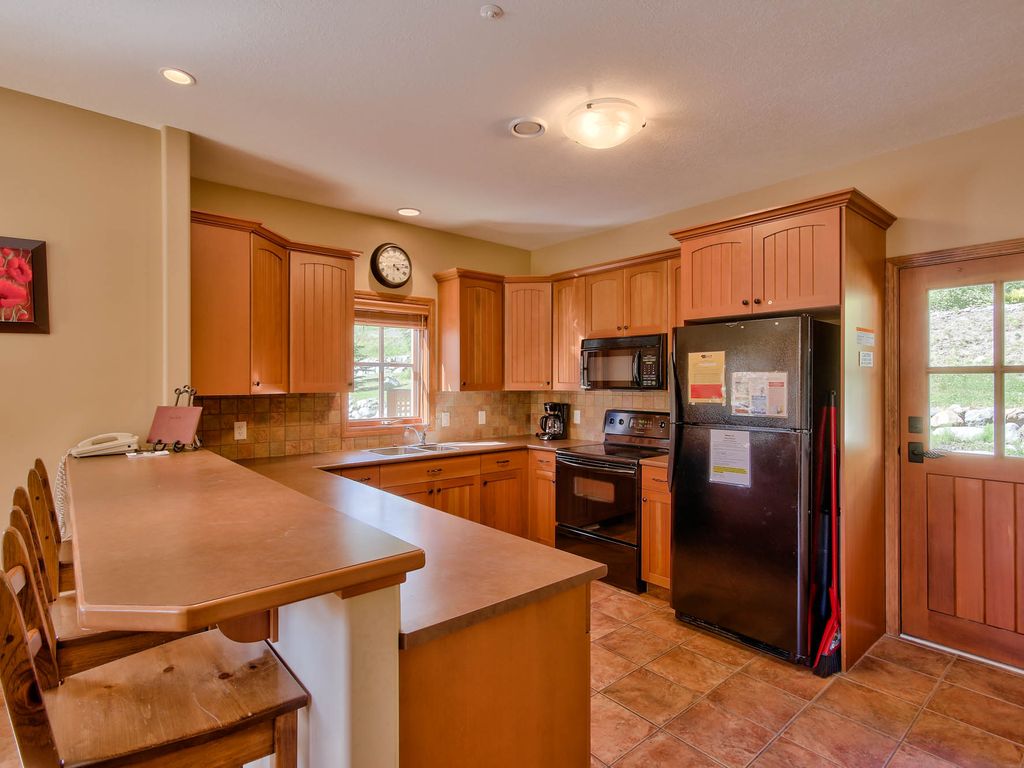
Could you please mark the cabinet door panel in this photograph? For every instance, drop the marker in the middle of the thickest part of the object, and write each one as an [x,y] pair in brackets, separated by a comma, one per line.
[645,299]
[542,505]
[220,310]
[322,317]
[503,503]
[796,262]
[568,330]
[604,304]
[269,317]
[421,493]
[656,539]
[481,333]
[527,336]
[675,278]
[459,496]
[716,275]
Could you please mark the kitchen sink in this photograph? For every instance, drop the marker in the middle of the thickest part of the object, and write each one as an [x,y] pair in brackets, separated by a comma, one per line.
[412,450]
[436,447]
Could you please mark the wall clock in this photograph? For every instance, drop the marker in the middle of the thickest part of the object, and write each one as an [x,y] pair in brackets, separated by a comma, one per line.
[391,265]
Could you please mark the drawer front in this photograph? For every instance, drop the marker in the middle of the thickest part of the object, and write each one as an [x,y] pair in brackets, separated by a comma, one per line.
[434,469]
[543,460]
[366,475]
[502,461]
[655,478]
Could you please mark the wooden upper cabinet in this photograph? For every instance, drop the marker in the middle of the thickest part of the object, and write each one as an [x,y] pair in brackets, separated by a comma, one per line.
[528,335]
[715,275]
[796,262]
[568,329]
[269,286]
[322,318]
[471,318]
[605,299]
[645,299]
[674,278]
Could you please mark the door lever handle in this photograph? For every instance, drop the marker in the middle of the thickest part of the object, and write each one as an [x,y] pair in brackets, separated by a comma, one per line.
[916,454]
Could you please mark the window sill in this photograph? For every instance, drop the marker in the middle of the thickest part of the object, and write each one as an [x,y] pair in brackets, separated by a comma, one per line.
[355,429]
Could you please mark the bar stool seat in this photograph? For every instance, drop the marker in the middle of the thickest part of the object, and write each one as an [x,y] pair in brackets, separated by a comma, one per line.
[174,698]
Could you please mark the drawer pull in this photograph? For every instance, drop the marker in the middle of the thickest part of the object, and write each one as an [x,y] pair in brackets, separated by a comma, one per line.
[435,471]
[659,479]
[364,479]
[502,461]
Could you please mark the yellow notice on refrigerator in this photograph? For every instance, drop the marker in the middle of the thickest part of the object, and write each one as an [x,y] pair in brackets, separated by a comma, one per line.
[705,377]
[760,393]
[730,457]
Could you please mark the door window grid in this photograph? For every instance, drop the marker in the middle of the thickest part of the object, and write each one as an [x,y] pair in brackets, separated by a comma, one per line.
[976,368]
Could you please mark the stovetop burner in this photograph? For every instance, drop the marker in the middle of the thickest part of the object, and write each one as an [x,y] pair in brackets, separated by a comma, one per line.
[629,436]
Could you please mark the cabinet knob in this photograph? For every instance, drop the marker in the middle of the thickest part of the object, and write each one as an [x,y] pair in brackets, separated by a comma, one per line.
[746,302]
[256,383]
[645,498]
[485,482]
[463,383]
[618,327]
[625,327]
[757,301]
[547,383]
[430,492]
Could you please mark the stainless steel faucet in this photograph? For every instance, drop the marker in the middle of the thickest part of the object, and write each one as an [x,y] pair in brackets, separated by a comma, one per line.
[421,434]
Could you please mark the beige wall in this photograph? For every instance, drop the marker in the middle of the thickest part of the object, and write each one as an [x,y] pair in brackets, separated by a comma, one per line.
[431,250]
[958,190]
[90,186]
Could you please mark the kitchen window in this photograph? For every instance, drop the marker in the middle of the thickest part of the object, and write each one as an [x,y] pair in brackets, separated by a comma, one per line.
[391,363]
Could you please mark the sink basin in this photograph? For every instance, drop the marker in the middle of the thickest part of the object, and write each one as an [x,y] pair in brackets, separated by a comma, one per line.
[397,450]
[436,447]
[473,444]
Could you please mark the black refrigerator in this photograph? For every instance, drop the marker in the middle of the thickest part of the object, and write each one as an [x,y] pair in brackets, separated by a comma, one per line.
[746,396]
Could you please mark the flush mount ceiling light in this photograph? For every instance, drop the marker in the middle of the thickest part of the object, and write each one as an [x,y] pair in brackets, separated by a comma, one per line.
[527,127]
[178,76]
[604,123]
[409,211]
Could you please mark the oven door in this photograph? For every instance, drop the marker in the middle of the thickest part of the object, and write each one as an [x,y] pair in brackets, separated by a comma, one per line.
[600,498]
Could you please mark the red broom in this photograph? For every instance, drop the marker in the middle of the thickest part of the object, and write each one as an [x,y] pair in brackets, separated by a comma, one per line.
[828,660]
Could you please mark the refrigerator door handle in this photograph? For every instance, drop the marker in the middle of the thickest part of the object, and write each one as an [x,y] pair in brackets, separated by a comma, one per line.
[676,413]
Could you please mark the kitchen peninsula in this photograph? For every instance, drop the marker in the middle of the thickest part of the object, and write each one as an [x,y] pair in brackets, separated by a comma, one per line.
[494,631]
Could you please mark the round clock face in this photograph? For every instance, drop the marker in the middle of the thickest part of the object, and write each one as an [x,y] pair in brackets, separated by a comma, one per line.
[391,265]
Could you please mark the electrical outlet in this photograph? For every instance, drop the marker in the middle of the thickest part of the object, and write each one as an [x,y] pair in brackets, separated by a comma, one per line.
[240,430]
[575,417]
[481,417]
[446,419]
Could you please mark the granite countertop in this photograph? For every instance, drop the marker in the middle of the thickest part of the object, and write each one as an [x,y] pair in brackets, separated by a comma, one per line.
[472,572]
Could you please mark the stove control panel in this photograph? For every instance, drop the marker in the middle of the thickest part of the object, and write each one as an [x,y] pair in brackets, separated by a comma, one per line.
[654,424]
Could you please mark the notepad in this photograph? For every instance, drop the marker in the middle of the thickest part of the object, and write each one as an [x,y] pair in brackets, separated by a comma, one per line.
[174,424]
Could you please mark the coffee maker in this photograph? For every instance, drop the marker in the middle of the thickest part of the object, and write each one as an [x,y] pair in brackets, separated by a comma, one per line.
[554,424]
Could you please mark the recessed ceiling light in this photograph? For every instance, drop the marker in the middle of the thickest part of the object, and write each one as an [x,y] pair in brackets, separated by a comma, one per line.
[604,123]
[527,127]
[409,211]
[178,76]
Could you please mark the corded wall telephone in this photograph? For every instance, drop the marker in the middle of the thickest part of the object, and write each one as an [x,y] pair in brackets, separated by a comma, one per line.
[104,445]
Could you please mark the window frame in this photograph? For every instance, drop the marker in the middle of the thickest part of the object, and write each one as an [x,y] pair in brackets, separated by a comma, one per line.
[385,426]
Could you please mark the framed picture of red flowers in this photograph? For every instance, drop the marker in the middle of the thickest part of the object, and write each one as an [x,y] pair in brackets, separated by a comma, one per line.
[23,300]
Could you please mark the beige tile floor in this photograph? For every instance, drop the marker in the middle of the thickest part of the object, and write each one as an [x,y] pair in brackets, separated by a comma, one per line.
[666,694]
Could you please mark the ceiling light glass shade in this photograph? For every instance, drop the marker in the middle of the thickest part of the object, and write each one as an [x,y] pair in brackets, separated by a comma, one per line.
[409,211]
[604,123]
[178,76]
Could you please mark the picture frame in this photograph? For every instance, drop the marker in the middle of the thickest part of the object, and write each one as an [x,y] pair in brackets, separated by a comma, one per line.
[24,302]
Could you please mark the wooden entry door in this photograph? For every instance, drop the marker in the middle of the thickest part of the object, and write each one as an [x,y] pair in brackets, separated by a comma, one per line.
[961,333]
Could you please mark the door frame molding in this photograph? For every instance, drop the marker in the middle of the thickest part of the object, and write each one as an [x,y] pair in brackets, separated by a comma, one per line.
[891,458]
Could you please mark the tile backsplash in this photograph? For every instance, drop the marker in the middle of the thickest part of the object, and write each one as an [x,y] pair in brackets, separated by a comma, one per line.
[284,425]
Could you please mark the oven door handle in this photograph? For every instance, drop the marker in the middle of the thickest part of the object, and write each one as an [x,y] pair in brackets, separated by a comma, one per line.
[583,464]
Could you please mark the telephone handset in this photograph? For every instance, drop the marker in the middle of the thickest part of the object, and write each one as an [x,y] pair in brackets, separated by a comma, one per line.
[105,445]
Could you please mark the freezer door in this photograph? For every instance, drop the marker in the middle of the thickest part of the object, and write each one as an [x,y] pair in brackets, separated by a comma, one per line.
[781,344]
[739,555]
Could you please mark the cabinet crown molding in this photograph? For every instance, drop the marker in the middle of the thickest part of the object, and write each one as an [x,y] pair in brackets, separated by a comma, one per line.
[457,272]
[851,198]
[257,228]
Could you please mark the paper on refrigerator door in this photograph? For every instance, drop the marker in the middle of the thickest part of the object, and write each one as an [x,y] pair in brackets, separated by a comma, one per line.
[760,393]
[705,376]
[730,457]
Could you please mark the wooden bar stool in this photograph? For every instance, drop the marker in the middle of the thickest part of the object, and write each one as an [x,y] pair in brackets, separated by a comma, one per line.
[202,700]
[76,648]
[65,558]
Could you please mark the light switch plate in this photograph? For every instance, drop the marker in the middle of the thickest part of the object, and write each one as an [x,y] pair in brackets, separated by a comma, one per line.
[481,417]
[575,417]
[240,430]
[446,419]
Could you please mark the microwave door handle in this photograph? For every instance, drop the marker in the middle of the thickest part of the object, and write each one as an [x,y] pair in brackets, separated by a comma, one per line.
[636,367]
[584,373]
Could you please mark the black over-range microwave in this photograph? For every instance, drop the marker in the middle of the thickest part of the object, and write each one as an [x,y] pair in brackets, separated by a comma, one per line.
[624,362]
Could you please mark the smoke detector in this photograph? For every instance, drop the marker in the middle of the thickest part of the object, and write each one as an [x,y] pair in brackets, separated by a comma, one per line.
[492,12]
[527,127]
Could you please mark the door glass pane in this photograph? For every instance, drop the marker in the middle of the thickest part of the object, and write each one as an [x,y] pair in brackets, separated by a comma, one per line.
[1013,322]
[960,322]
[398,397]
[364,399]
[1014,429]
[961,408]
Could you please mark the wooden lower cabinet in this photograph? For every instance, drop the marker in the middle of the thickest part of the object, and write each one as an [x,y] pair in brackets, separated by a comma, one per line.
[459,496]
[421,493]
[513,689]
[503,502]
[365,475]
[541,479]
[655,527]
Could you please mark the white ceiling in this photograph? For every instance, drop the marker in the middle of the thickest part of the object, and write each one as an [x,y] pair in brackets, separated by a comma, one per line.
[370,105]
